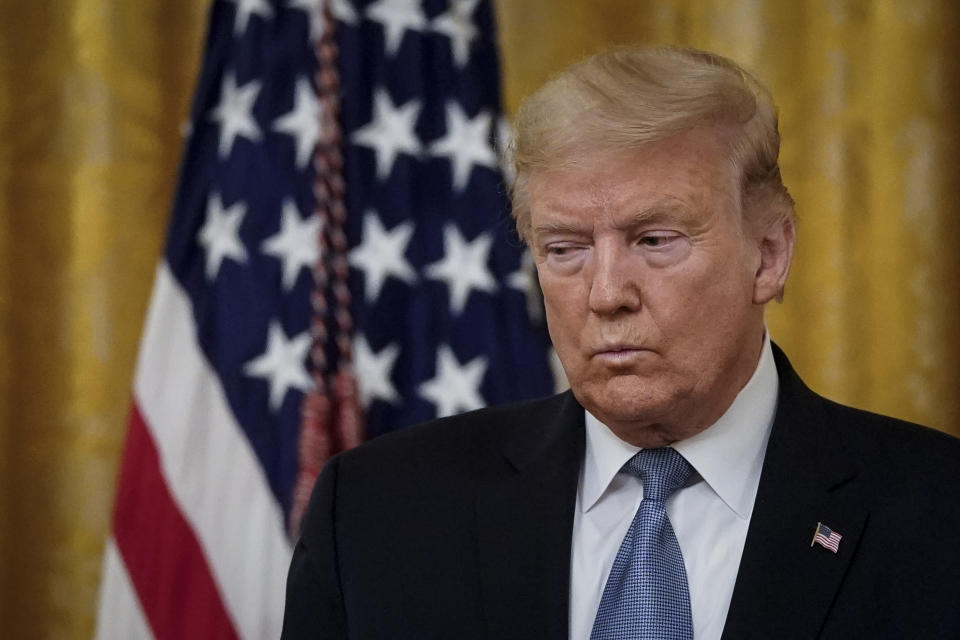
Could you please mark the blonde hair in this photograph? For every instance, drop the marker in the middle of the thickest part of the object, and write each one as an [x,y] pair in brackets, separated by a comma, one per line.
[625,98]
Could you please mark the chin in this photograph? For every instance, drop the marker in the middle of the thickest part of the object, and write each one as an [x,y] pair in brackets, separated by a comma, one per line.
[627,400]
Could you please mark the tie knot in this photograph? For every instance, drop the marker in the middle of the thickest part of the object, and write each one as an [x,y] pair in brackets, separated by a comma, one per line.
[662,471]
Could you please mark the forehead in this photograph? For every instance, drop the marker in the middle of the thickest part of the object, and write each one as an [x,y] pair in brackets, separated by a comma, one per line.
[687,175]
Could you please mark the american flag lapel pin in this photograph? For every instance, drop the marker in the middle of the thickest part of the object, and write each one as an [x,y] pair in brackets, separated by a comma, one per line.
[826,537]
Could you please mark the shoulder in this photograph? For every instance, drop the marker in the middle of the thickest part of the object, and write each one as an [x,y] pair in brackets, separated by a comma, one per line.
[896,453]
[428,468]
[903,465]
[893,452]
[487,426]
[455,444]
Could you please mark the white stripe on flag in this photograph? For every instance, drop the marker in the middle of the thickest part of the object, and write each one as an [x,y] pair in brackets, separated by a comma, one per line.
[209,465]
[119,615]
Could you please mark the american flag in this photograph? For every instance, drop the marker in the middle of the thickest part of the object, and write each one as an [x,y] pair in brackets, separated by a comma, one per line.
[826,537]
[340,218]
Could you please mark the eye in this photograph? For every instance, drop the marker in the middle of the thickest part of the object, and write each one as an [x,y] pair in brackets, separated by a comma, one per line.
[564,257]
[558,250]
[663,248]
[658,239]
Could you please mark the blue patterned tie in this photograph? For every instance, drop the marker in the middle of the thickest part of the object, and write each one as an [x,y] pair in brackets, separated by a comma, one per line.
[646,596]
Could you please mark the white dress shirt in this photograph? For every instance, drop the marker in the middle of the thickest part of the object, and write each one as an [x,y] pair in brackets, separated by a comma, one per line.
[710,515]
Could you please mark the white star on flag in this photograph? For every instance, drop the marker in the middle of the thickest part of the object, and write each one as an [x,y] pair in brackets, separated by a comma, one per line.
[235,113]
[245,8]
[457,24]
[302,122]
[390,131]
[220,234]
[463,267]
[296,244]
[397,16]
[454,387]
[343,11]
[466,143]
[523,278]
[282,364]
[381,254]
[374,370]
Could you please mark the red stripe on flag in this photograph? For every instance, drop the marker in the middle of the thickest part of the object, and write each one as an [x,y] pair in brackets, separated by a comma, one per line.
[166,563]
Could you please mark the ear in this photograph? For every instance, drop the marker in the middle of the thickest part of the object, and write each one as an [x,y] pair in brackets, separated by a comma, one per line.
[776,253]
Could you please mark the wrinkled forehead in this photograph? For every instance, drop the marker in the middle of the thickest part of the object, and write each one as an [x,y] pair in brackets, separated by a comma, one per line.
[691,171]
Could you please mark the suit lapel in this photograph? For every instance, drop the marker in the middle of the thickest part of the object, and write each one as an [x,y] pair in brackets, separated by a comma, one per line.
[785,587]
[525,520]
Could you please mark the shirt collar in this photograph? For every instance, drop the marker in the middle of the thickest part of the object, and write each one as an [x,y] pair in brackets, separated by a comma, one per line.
[740,434]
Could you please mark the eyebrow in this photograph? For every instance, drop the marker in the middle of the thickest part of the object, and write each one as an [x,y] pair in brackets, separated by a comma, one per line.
[667,208]
[558,227]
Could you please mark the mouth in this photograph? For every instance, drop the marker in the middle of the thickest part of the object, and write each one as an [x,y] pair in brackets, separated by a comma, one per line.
[619,353]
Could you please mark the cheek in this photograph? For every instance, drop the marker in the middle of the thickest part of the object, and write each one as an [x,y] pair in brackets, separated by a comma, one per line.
[699,303]
[564,308]
[560,319]
[722,274]
[716,312]
[556,291]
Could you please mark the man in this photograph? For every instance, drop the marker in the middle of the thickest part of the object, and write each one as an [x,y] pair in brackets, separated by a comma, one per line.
[649,193]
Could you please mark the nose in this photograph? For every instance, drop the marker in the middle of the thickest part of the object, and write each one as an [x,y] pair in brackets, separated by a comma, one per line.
[614,285]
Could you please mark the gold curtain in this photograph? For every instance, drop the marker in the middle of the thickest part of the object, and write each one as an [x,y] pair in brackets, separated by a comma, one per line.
[92,98]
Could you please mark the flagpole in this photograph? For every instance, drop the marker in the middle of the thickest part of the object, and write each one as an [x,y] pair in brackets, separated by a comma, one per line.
[815,532]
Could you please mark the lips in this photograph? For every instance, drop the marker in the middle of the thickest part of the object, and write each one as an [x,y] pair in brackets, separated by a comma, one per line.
[615,354]
[618,347]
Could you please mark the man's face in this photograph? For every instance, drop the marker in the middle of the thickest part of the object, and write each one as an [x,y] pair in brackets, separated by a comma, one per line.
[651,285]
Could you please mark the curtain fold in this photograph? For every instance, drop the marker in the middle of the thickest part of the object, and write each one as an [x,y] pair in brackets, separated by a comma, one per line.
[92,97]
[92,94]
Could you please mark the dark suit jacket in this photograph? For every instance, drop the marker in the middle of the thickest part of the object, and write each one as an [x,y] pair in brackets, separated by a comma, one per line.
[461,528]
